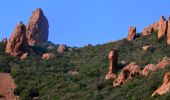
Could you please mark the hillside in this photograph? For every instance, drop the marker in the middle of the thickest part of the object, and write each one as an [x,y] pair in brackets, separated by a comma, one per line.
[53,79]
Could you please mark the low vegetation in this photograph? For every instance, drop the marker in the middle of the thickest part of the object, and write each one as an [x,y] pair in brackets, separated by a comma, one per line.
[50,79]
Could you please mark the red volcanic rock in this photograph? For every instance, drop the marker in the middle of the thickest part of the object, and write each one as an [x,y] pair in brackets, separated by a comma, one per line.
[162,27]
[168,32]
[5,40]
[113,64]
[149,68]
[47,56]
[131,33]
[37,28]
[17,44]
[24,56]
[127,73]
[165,87]
[62,48]
[151,28]
[145,48]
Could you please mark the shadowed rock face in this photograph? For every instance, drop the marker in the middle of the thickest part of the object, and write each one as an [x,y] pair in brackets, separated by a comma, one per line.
[4,40]
[165,87]
[113,64]
[131,33]
[17,44]
[127,73]
[162,30]
[37,28]
[168,32]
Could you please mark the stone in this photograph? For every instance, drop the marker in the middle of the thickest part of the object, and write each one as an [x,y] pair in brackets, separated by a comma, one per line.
[146,47]
[73,72]
[37,28]
[165,87]
[17,44]
[62,48]
[168,32]
[5,40]
[162,30]
[127,73]
[131,33]
[24,56]
[149,68]
[113,64]
[150,29]
[47,56]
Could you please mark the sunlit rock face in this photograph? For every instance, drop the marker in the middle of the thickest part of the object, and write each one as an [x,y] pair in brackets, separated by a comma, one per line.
[37,28]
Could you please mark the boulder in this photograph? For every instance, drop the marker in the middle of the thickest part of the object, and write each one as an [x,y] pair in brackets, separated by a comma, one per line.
[127,73]
[37,28]
[5,40]
[149,68]
[47,56]
[113,64]
[165,87]
[131,33]
[73,72]
[18,44]
[24,56]
[62,48]
[146,47]
[162,30]
[168,32]
[151,28]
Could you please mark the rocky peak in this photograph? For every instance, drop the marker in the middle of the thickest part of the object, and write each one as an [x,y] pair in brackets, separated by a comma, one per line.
[37,28]
[131,33]
[162,29]
[17,44]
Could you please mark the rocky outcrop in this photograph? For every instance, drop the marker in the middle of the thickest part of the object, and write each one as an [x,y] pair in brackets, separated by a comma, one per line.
[37,28]
[127,73]
[62,48]
[113,64]
[47,56]
[153,68]
[149,68]
[131,33]
[165,87]
[5,40]
[162,30]
[168,32]
[24,56]
[146,47]
[151,28]
[17,44]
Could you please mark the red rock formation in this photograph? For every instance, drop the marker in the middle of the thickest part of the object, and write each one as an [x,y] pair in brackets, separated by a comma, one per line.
[145,48]
[5,40]
[153,68]
[165,87]
[131,33]
[149,68]
[127,73]
[37,28]
[17,44]
[168,32]
[24,56]
[151,28]
[162,30]
[62,48]
[47,56]
[113,64]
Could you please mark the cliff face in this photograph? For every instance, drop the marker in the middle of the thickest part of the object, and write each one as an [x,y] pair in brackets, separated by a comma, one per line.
[17,44]
[37,28]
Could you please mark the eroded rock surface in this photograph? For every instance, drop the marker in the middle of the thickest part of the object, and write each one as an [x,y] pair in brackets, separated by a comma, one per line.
[48,56]
[131,33]
[37,28]
[165,87]
[162,30]
[18,44]
[127,73]
[113,64]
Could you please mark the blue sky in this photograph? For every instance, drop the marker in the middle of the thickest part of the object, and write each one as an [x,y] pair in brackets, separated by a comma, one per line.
[79,22]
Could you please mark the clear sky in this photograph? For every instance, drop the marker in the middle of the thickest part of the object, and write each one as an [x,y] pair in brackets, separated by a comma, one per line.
[79,22]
